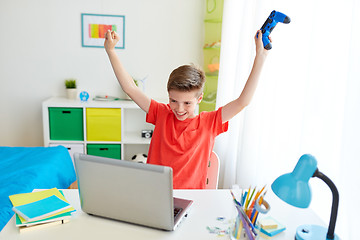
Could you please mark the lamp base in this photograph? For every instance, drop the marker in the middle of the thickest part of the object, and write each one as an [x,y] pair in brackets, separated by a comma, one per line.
[312,232]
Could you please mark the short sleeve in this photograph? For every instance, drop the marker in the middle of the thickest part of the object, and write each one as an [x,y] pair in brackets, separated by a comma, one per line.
[153,109]
[156,111]
[220,126]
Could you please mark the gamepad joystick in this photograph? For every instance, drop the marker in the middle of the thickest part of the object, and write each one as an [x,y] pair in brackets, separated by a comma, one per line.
[270,24]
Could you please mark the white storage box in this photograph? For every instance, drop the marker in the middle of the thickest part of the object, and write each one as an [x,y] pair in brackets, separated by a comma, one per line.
[72,148]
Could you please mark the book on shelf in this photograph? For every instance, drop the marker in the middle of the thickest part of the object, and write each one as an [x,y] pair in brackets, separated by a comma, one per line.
[57,209]
[106,98]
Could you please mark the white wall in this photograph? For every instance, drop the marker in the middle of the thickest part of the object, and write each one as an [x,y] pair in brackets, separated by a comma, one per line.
[40,46]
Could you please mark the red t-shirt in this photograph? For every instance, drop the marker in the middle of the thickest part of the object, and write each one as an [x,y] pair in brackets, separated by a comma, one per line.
[185,146]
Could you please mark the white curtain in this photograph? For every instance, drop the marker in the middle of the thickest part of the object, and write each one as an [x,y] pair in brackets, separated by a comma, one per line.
[308,99]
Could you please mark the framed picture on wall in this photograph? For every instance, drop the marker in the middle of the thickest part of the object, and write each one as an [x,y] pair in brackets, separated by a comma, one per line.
[94,27]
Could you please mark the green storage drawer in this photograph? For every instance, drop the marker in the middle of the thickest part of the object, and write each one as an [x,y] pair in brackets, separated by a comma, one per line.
[105,150]
[66,124]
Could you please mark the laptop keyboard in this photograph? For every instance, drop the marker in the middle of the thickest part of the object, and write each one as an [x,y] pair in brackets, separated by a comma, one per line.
[177,211]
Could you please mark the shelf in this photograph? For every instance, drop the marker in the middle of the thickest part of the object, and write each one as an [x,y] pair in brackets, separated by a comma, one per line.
[212,48]
[65,142]
[213,20]
[63,102]
[102,142]
[132,122]
[210,74]
[135,138]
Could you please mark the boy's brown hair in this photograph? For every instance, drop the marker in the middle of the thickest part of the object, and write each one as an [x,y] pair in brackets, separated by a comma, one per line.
[187,78]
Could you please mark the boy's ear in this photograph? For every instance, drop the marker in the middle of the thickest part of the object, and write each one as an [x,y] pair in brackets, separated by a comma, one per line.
[200,98]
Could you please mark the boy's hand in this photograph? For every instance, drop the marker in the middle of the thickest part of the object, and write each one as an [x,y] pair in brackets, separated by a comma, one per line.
[260,50]
[111,39]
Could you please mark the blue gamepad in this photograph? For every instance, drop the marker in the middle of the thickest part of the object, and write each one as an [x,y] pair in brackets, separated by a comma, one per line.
[270,24]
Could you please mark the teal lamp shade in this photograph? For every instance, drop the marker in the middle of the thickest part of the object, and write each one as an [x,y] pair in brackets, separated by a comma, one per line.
[294,188]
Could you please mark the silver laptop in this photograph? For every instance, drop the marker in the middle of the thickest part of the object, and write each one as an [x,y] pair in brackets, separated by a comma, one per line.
[129,191]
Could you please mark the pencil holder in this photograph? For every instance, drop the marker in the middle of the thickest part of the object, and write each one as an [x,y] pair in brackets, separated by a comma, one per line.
[240,232]
[245,225]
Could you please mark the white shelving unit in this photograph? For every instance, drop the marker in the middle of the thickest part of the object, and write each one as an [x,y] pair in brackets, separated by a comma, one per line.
[132,123]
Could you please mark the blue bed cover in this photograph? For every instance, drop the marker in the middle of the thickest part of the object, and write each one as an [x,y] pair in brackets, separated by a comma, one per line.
[23,169]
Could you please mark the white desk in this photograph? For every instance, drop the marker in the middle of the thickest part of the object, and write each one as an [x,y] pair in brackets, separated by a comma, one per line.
[208,205]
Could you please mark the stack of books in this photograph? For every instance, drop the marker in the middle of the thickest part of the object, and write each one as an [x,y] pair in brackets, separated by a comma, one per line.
[40,209]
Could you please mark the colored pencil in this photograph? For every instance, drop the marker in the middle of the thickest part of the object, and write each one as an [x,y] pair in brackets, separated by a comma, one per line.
[241,211]
[260,202]
[243,198]
[253,203]
[247,197]
[252,194]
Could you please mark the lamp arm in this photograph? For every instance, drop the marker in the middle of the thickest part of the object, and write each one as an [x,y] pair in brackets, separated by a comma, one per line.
[335,203]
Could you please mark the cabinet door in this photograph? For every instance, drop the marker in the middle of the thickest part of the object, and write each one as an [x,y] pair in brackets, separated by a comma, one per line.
[105,150]
[103,124]
[66,124]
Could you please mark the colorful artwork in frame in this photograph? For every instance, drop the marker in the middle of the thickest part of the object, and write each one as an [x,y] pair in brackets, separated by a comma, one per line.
[94,27]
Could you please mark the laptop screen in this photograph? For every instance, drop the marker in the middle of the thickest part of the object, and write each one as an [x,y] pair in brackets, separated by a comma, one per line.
[126,191]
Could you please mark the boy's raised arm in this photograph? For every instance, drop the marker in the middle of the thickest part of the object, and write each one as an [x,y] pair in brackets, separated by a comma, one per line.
[126,82]
[234,107]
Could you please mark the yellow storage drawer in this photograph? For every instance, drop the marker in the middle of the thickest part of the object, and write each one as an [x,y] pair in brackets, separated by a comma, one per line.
[103,124]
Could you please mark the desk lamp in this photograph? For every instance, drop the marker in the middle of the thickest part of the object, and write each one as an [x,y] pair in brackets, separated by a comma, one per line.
[294,189]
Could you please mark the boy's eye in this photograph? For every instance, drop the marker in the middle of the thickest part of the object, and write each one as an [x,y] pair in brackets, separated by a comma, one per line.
[187,103]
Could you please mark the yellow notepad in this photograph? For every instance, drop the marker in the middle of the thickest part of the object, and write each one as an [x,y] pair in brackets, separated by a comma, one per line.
[268,223]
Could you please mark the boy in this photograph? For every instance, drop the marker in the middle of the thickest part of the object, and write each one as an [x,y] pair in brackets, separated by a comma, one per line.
[181,139]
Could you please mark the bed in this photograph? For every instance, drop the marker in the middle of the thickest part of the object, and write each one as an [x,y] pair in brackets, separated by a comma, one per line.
[23,169]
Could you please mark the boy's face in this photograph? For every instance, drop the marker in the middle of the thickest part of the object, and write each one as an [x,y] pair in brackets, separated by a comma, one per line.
[183,103]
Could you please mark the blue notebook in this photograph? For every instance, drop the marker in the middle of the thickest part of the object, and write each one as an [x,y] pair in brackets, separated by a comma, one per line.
[272,232]
[41,209]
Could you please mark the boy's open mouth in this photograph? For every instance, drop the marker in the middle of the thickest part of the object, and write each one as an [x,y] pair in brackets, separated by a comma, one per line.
[180,116]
